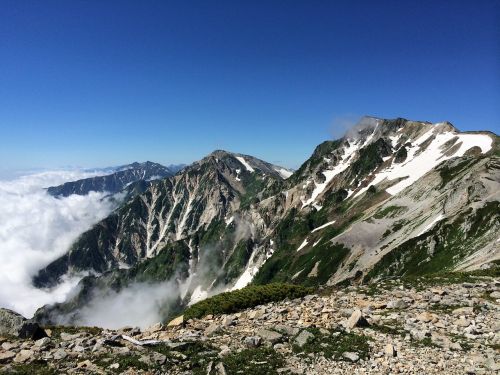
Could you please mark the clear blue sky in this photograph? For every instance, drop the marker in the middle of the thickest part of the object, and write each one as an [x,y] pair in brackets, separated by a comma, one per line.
[97,83]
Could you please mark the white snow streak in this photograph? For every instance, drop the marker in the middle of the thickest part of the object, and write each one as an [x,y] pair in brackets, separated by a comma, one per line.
[244,162]
[304,244]
[428,227]
[323,226]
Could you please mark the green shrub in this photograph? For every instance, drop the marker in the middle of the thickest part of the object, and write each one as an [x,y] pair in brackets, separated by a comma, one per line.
[334,343]
[254,295]
[256,361]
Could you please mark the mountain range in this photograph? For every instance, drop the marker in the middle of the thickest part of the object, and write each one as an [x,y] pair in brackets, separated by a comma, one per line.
[391,198]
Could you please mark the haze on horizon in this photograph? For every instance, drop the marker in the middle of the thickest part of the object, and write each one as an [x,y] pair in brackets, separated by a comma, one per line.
[98,84]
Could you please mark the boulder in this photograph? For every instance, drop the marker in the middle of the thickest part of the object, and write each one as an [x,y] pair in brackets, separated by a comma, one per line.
[154,328]
[176,322]
[270,336]
[390,351]
[14,324]
[6,356]
[397,304]
[60,354]
[212,329]
[23,356]
[357,320]
[252,341]
[351,356]
[303,337]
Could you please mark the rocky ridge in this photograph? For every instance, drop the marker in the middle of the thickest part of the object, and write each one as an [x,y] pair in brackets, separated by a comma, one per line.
[427,326]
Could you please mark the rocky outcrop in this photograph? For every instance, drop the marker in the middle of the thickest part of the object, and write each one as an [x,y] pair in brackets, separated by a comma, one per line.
[14,324]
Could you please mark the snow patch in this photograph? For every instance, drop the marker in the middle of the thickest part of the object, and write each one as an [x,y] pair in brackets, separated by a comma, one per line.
[428,227]
[304,244]
[245,164]
[416,166]
[323,226]
[330,174]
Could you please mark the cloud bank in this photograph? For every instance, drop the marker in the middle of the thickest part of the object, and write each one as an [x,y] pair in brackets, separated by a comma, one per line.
[139,305]
[35,229]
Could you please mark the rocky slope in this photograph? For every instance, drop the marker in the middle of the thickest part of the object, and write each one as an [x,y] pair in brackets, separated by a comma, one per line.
[114,182]
[391,198]
[427,325]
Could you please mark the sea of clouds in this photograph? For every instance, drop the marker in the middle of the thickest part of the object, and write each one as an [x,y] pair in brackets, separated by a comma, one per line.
[36,228]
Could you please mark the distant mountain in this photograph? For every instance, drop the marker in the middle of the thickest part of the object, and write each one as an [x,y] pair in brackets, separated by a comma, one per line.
[174,168]
[390,198]
[114,182]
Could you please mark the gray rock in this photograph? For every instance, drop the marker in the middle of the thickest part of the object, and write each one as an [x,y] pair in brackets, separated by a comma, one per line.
[462,322]
[220,369]
[419,334]
[252,341]
[224,351]
[69,337]
[9,345]
[397,304]
[14,324]
[351,356]
[6,356]
[42,343]
[495,295]
[356,320]
[270,336]
[212,329]
[286,329]
[60,354]
[228,321]
[158,358]
[154,328]
[303,337]
[23,356]
[463,311]
[390,350]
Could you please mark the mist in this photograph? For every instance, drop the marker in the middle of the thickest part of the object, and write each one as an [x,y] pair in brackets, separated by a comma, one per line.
[138,305]
[35,229]
[350,126]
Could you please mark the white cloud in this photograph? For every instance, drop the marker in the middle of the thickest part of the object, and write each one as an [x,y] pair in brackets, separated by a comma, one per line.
[35,229]
[140,304]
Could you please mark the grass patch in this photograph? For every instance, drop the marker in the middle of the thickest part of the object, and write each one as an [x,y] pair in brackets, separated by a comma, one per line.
[424,342]
[257,361]
[334,344]
[445,309]
[389,330]
[38,367]
[198,353]
[251,296]
[125,362]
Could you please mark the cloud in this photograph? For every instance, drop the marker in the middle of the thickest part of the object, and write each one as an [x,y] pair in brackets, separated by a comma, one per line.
[351,125]
[140,304]
[35,229]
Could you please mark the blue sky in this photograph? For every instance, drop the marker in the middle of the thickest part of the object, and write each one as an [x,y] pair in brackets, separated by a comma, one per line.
[98,83]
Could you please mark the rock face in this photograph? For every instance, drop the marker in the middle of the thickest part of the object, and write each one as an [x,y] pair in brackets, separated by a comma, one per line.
[14,324]
[391,198]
